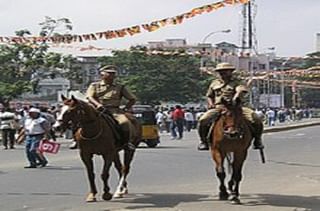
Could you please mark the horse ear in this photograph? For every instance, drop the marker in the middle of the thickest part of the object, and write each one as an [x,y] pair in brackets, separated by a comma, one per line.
[63,97]
[74,99]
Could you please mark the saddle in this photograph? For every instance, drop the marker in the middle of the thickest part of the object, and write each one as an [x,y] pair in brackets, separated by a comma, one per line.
[228,134]
[113,124]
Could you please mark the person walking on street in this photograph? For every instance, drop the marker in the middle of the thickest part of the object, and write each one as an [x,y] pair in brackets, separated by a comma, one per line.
[35,128]
[189,120]
[178,119]
[9,124]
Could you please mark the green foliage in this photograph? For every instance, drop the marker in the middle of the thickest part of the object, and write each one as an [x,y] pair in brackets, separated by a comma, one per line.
[21,62]
[313,59]
[156,78]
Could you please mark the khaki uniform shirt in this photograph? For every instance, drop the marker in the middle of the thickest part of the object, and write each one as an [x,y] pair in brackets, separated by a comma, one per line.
[219,90]
[109,95]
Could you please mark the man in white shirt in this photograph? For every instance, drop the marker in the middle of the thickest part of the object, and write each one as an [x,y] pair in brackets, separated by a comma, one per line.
[188,116]
[270,114]
[36,128]
[7,126]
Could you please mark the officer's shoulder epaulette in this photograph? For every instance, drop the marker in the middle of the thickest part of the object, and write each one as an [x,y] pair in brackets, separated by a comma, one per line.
[216,83]
[95,83]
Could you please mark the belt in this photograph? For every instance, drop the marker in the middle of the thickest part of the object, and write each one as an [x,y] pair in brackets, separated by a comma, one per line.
[35,135]
[110,106]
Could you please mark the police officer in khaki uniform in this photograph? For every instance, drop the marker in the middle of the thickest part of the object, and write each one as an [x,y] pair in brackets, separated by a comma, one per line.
[225,88]
[108,94]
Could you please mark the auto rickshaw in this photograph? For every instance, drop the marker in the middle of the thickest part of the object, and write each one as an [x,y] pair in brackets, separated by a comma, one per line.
[147,118]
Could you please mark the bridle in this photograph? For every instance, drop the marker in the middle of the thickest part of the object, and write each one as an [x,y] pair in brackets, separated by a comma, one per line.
[90,138]
[80,112]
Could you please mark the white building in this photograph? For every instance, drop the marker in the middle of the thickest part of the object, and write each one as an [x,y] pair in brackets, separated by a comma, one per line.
[318,42]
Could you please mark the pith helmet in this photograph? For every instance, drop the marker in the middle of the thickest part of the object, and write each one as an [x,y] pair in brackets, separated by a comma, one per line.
[224,66]
[108,69]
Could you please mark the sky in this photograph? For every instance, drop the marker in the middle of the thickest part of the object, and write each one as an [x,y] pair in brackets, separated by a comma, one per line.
[290,26]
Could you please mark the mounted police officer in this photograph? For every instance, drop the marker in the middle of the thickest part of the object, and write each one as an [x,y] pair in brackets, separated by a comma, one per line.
[220,90]
[106,96]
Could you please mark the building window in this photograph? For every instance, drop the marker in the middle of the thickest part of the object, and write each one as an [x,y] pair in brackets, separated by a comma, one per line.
[262,66]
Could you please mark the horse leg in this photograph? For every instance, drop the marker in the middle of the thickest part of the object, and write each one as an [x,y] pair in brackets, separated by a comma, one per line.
[218,157]
[122,188]
[87,160]
[119,167]
[117,164]
[105,177]
[239,158]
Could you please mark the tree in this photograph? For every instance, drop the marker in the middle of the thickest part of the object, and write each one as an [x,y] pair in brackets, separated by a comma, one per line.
[161,77]
[22,65]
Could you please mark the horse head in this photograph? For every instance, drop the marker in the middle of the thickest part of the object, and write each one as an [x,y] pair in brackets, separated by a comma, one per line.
[76,112]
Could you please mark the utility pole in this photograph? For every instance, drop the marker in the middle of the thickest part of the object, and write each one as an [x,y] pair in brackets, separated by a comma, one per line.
[249,44]
[203,50]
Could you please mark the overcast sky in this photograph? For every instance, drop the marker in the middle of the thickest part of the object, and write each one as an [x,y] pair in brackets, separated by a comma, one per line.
[288,25]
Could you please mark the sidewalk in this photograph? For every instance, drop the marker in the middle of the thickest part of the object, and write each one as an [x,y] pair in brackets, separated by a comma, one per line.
[292,125]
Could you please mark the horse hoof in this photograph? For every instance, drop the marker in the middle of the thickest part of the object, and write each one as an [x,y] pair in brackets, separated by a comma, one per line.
[235,201]
[91,198]
[107,196]
[223,196]
[124,191]
[118,195]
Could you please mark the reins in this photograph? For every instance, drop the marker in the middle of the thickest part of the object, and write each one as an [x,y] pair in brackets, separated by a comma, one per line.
[90,138]
[95,136]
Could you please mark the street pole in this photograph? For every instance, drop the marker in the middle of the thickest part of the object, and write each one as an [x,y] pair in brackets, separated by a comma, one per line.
[202,62]
[282,81]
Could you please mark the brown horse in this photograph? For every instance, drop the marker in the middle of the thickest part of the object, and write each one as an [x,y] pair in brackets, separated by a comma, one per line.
[95,137]
[231,135]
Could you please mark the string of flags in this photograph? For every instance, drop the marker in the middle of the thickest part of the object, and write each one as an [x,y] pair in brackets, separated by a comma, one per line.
[305,78]
[127,31]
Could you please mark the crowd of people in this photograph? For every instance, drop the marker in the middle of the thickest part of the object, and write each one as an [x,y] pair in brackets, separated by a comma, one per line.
[177,120]
[173,122]
[30,125]
[271,116]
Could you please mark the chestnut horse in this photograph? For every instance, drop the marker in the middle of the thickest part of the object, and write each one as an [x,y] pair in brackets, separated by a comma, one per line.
[95,137]
[231,135]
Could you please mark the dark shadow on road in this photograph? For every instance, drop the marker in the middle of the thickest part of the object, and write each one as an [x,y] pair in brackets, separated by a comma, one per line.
[3,172]
[162,147]
[306,203]
[294,164]
[162,200]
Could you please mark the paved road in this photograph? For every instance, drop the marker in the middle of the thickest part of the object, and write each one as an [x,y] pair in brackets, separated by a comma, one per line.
[174,176]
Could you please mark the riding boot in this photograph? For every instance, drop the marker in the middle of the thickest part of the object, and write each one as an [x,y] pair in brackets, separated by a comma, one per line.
[258,130]
[203,132]
[124,141]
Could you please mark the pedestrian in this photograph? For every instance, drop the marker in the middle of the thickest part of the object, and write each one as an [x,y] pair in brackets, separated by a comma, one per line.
[271,115]
[35,128]
[51,119]
[172,124]
[189,117]
[178,119]
[9,125]
[160,119]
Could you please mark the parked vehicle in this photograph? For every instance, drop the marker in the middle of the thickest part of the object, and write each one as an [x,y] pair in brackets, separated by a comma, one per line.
[150,131]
